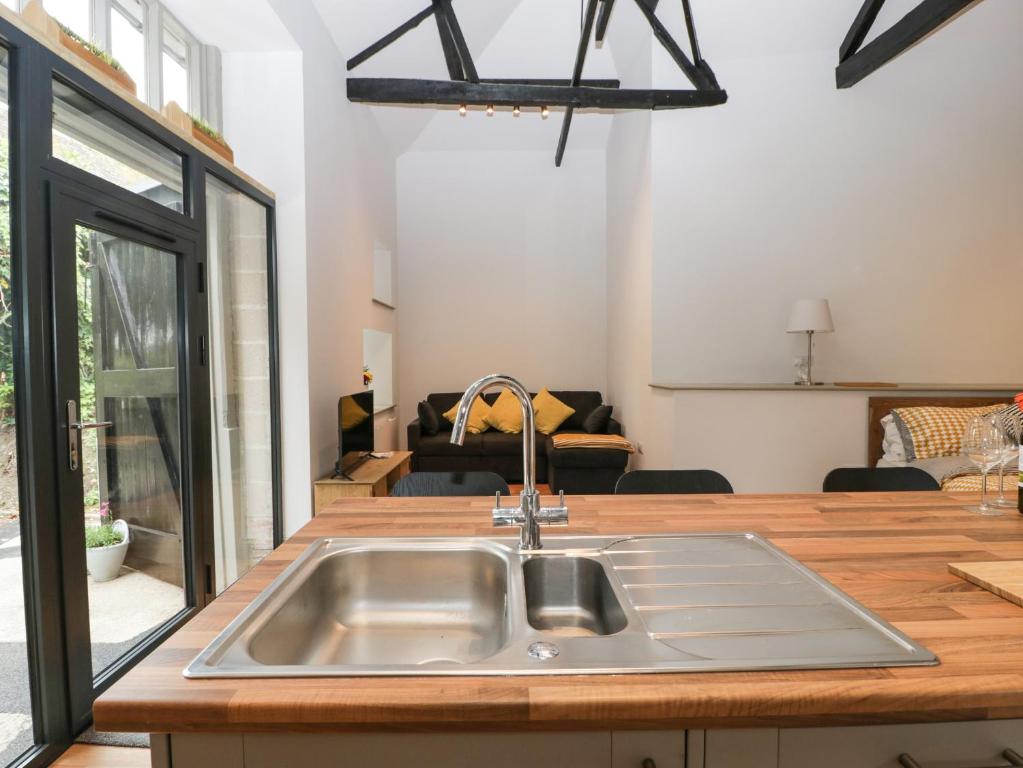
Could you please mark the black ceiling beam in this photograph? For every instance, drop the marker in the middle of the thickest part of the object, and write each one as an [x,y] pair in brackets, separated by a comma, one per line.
[389,38]
[453,93]
[383,90]
[577,75]
[447,44]
[694,44]
[904,34]
[603,18]
[696,75]
[590,83]
[447,14]
[860,28]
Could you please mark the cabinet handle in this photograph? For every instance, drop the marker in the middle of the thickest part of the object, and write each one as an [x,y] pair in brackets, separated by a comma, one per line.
[1010,756]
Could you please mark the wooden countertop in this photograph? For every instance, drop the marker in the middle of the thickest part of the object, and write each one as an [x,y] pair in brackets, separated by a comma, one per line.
[889,551]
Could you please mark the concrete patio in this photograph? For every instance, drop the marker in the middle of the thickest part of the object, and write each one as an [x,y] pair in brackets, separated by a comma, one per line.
[122,612]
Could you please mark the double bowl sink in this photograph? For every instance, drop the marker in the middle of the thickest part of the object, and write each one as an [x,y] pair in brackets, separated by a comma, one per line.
[582,605]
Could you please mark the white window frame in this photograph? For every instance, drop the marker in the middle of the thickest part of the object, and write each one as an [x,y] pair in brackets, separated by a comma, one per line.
[204,75]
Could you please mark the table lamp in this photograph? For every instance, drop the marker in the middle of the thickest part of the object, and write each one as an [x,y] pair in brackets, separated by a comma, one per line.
[810,316]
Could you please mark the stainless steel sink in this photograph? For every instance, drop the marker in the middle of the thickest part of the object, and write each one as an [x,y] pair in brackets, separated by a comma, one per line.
[582,605]
[571,597]
[380,606]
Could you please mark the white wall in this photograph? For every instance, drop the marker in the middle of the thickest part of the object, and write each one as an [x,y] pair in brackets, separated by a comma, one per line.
[291,126]
[646,414]
[897,199]
[502,268]
[269,144]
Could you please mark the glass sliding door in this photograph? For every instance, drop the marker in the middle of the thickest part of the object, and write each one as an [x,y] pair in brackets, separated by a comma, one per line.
[16,723]
[130,442]
[241,397]
[129,552]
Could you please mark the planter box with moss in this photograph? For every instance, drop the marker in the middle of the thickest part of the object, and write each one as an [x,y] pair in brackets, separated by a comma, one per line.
[200,130]
[105,548]
[89,52]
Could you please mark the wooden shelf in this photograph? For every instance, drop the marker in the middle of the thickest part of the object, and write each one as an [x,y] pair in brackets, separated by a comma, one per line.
[1008,389]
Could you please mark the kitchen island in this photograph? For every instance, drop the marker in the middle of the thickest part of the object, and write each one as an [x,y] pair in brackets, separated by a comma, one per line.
[888,551]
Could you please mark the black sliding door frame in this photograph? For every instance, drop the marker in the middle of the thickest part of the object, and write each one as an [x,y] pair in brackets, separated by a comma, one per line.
[41,188]
[72,206]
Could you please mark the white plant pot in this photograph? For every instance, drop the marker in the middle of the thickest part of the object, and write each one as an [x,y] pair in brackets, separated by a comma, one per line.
[104,563]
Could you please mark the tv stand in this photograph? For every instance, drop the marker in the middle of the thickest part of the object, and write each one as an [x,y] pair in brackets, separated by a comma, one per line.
[364,479]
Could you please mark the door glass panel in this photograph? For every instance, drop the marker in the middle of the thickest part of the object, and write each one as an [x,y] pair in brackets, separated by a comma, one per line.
[96,140]
[240,380]
[15,701]
[128,348]
[127,40]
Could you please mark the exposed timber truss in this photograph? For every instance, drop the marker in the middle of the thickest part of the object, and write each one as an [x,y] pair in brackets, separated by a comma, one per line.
[467,88]
[856,62]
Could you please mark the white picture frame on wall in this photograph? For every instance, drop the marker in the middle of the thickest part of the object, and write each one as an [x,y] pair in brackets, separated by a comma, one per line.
[383,277]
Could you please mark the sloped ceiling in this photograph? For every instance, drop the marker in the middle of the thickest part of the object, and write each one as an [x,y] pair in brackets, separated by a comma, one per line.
[537,38]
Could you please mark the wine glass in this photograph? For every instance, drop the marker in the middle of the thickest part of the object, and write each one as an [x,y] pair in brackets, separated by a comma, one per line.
[1010,453]
[984,444]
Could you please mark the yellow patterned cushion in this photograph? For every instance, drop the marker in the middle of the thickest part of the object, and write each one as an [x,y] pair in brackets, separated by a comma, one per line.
[506,414]
[550,412]
[477,416]
[973,483]
[932,431]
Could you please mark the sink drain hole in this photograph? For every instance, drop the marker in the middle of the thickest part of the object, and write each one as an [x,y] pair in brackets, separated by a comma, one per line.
[543,651]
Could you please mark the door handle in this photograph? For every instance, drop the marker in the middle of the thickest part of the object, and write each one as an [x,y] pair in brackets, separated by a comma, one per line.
[74,430]
[92,424]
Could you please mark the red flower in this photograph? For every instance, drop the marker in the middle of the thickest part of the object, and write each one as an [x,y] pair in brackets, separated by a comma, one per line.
[1019,401]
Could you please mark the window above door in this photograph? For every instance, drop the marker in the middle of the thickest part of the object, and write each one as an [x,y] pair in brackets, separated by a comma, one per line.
[163,57]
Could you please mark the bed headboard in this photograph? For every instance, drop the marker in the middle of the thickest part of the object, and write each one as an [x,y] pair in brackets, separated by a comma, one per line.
[879,407]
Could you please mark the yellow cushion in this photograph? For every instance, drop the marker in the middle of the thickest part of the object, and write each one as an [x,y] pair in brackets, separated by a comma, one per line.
[506,414]
[933,431]
[550,412]
[477,416]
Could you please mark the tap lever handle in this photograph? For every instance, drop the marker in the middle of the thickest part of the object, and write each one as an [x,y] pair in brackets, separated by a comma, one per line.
[497,500]
[561,498]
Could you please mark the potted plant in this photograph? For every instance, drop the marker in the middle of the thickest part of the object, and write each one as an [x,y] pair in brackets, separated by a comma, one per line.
[106,545]
[91,53]
[200,130]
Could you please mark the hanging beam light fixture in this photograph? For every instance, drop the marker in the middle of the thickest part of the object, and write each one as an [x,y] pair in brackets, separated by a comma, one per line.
[466,88]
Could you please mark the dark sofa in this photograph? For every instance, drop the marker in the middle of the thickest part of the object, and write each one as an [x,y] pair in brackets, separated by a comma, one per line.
[576,470]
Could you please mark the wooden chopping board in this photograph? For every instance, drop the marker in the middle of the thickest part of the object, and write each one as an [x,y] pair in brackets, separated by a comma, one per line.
[1004,577]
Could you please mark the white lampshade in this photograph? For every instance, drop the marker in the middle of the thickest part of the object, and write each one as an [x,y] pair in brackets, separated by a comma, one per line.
[811,315]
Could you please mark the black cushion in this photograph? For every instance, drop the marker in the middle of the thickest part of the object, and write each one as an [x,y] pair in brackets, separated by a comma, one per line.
[429,421]
[497,443]
[596,422]
[440,445]
[863,479]
[583,402]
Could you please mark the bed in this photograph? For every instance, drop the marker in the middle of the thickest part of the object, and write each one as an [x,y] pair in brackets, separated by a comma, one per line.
[953,473]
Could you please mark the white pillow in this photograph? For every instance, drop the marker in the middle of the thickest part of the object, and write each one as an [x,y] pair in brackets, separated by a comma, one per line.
[894,450]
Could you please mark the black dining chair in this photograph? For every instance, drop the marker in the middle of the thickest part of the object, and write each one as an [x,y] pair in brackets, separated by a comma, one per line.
[450,484]
[865,479]
[673,481]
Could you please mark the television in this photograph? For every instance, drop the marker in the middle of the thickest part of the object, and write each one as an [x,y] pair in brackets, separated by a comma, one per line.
[354,432]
